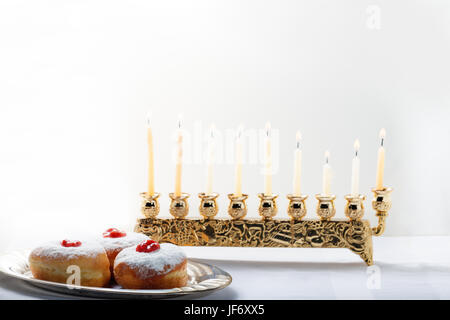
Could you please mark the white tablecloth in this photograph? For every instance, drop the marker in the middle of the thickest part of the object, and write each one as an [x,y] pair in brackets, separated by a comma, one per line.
[405,268]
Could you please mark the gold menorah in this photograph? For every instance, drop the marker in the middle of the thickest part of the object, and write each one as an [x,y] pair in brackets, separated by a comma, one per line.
[353,233]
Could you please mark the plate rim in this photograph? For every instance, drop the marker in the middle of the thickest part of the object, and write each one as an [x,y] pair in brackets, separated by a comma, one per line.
[118,293]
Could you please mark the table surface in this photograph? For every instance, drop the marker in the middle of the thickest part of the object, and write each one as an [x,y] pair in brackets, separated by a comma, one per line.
[405,268]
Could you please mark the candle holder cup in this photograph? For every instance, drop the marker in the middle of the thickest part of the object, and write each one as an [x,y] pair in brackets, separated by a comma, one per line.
[381,203]
[208,205]
[267,206]
[179,207]
[150,204]
[237,208]
[382,200]
[354,209]
[297,206]
[325,206]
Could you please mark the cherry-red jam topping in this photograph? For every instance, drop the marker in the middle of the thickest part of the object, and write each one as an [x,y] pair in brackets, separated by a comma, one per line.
[114,233]
[147,246]
[70,243]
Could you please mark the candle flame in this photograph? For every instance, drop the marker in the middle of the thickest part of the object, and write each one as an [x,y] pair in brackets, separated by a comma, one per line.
[180,120]
[356,145]
[298,138]
[240,131]
[327,156]
[382,135]
[268,128]
[148,118]
[212,129]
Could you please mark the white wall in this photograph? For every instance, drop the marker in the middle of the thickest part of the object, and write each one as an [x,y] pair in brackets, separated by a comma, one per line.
[77,78]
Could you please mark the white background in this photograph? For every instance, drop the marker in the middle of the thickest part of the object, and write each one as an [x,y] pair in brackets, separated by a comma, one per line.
[78,77]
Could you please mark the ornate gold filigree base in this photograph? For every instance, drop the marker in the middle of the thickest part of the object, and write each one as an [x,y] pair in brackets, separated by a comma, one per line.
[353,235]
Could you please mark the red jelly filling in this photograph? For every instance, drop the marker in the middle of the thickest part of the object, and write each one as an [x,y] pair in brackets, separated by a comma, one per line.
[69,243]
[147,246]
[114,233]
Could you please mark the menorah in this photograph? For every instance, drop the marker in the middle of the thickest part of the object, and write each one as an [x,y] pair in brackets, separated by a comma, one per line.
[353,233]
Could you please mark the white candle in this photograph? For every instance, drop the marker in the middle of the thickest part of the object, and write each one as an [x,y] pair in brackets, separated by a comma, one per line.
[238,163]
[151,168]
[179,159]
[268,162]
[297,166]
[380,163]
[210,161]
[355,170]
[326,174]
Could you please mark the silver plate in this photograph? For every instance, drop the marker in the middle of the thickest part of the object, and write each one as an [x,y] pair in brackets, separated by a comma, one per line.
[203,279]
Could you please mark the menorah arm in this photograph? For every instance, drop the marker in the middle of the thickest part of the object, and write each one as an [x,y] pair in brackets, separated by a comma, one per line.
[379,229]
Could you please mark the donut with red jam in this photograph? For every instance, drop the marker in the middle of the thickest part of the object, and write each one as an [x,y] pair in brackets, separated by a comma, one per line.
[151,265]
[51,261]
[115,240]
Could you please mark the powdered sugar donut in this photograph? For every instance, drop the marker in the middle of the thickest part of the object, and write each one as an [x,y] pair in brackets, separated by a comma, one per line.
[50,262]
[151,266]
[114,241]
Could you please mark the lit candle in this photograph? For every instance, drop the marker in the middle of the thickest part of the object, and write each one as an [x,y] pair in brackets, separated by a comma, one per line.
[380,164]
[355,170]
[238,163]
[210,161]
[326,182]
[297,166]
[179,159]
[268,163]
[151,172]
